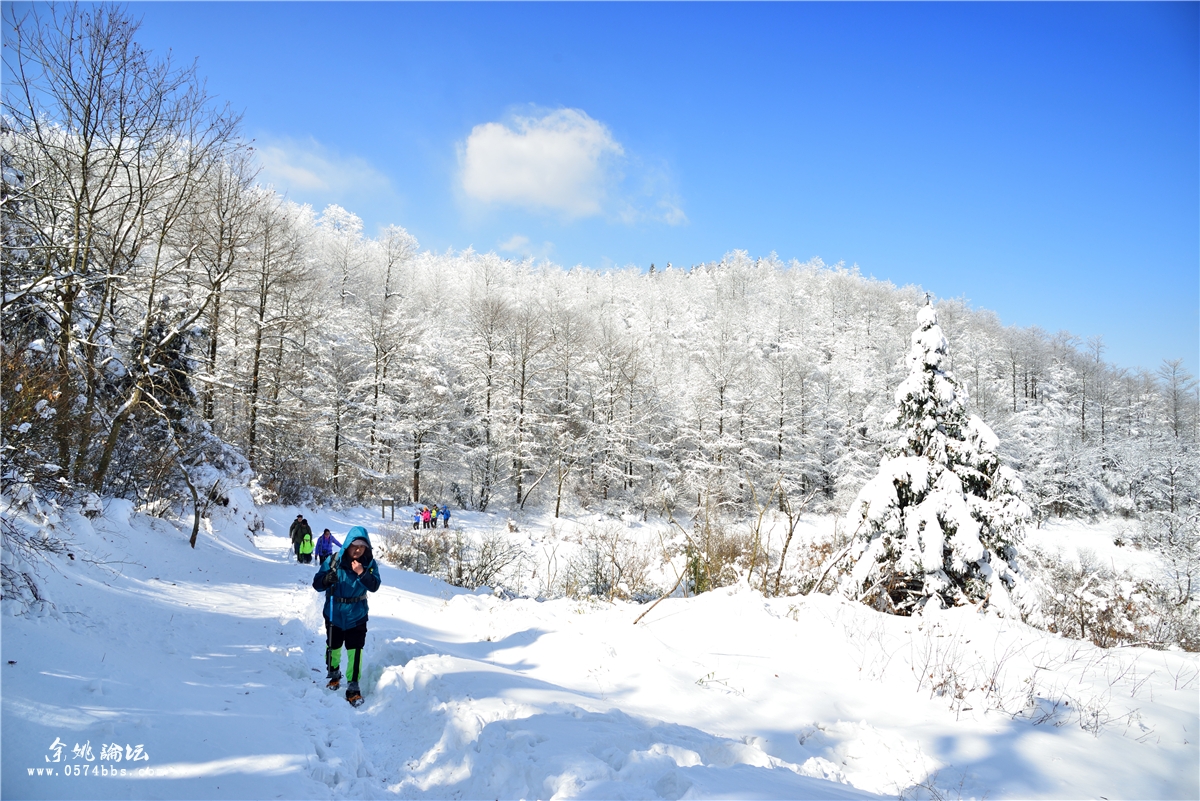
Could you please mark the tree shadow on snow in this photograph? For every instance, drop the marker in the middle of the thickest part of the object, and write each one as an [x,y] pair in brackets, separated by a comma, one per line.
[1001,764]
[603,755]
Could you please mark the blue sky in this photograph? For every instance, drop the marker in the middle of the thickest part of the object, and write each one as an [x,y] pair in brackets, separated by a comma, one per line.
[1040,159]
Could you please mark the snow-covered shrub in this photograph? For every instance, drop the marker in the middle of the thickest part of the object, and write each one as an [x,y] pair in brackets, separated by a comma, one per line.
[717,554]
[91,506]
[603,560]
[1089,600]
[229,499]
[488,562]
[941,520]
[1176,538]
[30,531]
[609,564]
[420,551]
[814,567]
[28,420]
[492,561]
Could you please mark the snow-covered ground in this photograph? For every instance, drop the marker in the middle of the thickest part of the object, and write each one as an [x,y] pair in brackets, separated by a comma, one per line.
[1108,542]
[203,671]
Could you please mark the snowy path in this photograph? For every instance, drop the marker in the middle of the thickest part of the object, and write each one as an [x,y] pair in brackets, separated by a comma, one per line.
[211,660]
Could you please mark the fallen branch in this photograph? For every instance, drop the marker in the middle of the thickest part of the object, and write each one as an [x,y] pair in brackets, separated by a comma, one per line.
[668,594]
[830,565]
[678,581]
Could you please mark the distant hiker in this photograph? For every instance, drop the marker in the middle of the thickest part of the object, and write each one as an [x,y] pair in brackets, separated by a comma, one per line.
[425,517]
[445,516]
[296,536]
[325,545]
[301,528]
[416,519]
[346,578]
[305,552]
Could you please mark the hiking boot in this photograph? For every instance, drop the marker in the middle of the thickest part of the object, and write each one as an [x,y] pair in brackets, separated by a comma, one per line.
[354,697]
[335,679]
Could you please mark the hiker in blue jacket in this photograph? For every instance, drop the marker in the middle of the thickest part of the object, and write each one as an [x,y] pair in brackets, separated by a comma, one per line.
[325,545]
[325,548]
[346,577]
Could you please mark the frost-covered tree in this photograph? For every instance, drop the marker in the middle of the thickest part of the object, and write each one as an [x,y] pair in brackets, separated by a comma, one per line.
[941,520]
[110,154]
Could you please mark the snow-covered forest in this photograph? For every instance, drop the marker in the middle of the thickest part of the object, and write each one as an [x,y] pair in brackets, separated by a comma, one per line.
[158,304]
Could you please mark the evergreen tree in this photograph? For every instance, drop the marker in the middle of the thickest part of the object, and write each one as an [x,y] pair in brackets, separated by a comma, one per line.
[941,520]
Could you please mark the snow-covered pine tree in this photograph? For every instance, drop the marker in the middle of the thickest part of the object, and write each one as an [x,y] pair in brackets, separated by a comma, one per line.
[941,520]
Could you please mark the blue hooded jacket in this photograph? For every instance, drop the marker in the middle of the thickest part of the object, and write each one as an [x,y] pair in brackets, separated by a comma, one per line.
[346,591]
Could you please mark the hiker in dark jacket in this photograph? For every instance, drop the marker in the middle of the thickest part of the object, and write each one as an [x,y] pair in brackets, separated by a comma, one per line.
[346,578]
[302,531]
[295,535]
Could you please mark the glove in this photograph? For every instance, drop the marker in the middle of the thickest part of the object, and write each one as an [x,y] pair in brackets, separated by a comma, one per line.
[330,578]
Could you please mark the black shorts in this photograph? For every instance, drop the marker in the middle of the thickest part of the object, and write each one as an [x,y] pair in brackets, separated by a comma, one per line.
[353,639]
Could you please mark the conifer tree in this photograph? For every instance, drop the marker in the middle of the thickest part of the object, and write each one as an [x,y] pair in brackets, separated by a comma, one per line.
[941,520]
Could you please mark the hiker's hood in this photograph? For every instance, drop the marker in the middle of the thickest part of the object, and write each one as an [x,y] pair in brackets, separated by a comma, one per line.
[356,533]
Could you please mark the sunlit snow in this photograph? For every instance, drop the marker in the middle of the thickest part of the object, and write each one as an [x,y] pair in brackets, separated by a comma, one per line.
[212,662]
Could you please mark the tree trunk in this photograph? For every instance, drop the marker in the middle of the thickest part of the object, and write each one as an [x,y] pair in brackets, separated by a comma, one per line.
[416,478]
[210,393]
[337,444]
[113,434]
[255,371]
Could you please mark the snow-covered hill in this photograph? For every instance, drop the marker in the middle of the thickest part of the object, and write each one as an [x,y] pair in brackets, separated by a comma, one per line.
[202,671]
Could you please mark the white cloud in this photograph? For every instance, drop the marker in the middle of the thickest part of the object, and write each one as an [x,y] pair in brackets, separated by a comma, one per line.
[514,244]
[568,163]
[521,246]
[563,161]
[308,166]
[670,213]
